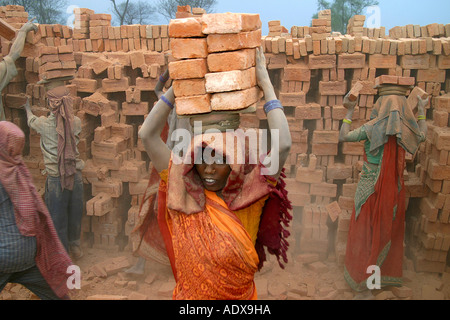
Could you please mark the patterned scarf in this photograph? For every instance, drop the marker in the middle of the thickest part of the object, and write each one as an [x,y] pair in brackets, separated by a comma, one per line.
[32,216]
[61,104]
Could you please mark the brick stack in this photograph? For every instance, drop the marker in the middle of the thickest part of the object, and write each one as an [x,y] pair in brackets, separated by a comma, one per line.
[184,12]
[215,59]
[355,26]
[94,33]
[326,16]
[430,233]
[14,15]
[81,23]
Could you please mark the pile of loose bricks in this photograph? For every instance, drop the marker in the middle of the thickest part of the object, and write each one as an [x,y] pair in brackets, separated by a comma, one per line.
[312,69]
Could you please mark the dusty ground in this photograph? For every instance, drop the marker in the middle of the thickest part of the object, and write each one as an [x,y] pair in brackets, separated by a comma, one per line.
[103,278]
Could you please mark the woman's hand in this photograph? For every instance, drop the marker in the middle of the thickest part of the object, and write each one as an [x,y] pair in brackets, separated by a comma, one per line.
[29,26]
[349,105]
[262,76]
[422,104]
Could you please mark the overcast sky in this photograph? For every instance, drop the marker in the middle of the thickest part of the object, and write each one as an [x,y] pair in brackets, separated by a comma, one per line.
[390,13]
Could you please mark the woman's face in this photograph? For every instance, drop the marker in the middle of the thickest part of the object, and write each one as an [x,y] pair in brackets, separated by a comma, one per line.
[214,175]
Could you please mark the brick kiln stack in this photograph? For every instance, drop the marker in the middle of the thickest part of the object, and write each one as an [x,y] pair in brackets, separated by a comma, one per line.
[215,62]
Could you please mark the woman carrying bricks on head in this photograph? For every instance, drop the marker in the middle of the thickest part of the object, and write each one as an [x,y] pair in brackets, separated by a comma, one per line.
[217,216]
[377,225]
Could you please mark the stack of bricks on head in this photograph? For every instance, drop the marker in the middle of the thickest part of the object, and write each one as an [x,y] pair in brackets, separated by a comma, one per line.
[215,62]
[312,69]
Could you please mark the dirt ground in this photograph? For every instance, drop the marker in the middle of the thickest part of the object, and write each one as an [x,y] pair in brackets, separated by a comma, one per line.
[304,278]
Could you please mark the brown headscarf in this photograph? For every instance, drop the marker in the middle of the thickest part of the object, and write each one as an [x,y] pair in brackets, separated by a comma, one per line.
[32,216]
[61,105]
[391,116]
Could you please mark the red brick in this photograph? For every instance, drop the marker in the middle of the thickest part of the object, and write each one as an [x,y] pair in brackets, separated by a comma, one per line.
[85,85]
[112,146]
[100,65]
[351,61]
[189,48]
[339,172]
[415,61]
[185,28]
[224,23]
[441,102]
[406,81]
[443,62]
[235,60]
[386,79]
[231,42]
[188,69]
[353,148]
[230,80]
[135,109]
[438,172]
[130,171]
[137,188]
[146,84]
[354,92]
[96,104]
[380,61]
[309,176]
[236,100]
[333,88]
[321,137]
[431,75]
[325,149]
[441,139]
[137,59]
[324,190]
[193,105]
[367,87]
[295,73]
[322,61]
[190,87]
[308,112]
[293,99]
[440,118]
[115,85]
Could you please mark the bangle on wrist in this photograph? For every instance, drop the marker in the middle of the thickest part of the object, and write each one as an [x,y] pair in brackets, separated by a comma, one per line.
[163,98]
[272,105]
[422,118]
[347,121]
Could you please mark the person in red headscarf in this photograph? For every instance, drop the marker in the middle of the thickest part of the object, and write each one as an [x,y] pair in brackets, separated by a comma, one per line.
[31,253]
[64,186]
[218,216]
[377,225]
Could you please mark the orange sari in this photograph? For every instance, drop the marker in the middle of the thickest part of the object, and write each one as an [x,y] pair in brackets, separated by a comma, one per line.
[214,257]
[216,246]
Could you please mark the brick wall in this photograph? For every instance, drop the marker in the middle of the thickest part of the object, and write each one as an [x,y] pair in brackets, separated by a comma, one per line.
[116,71]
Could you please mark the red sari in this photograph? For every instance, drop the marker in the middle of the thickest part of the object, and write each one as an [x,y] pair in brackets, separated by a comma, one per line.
[376,235]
